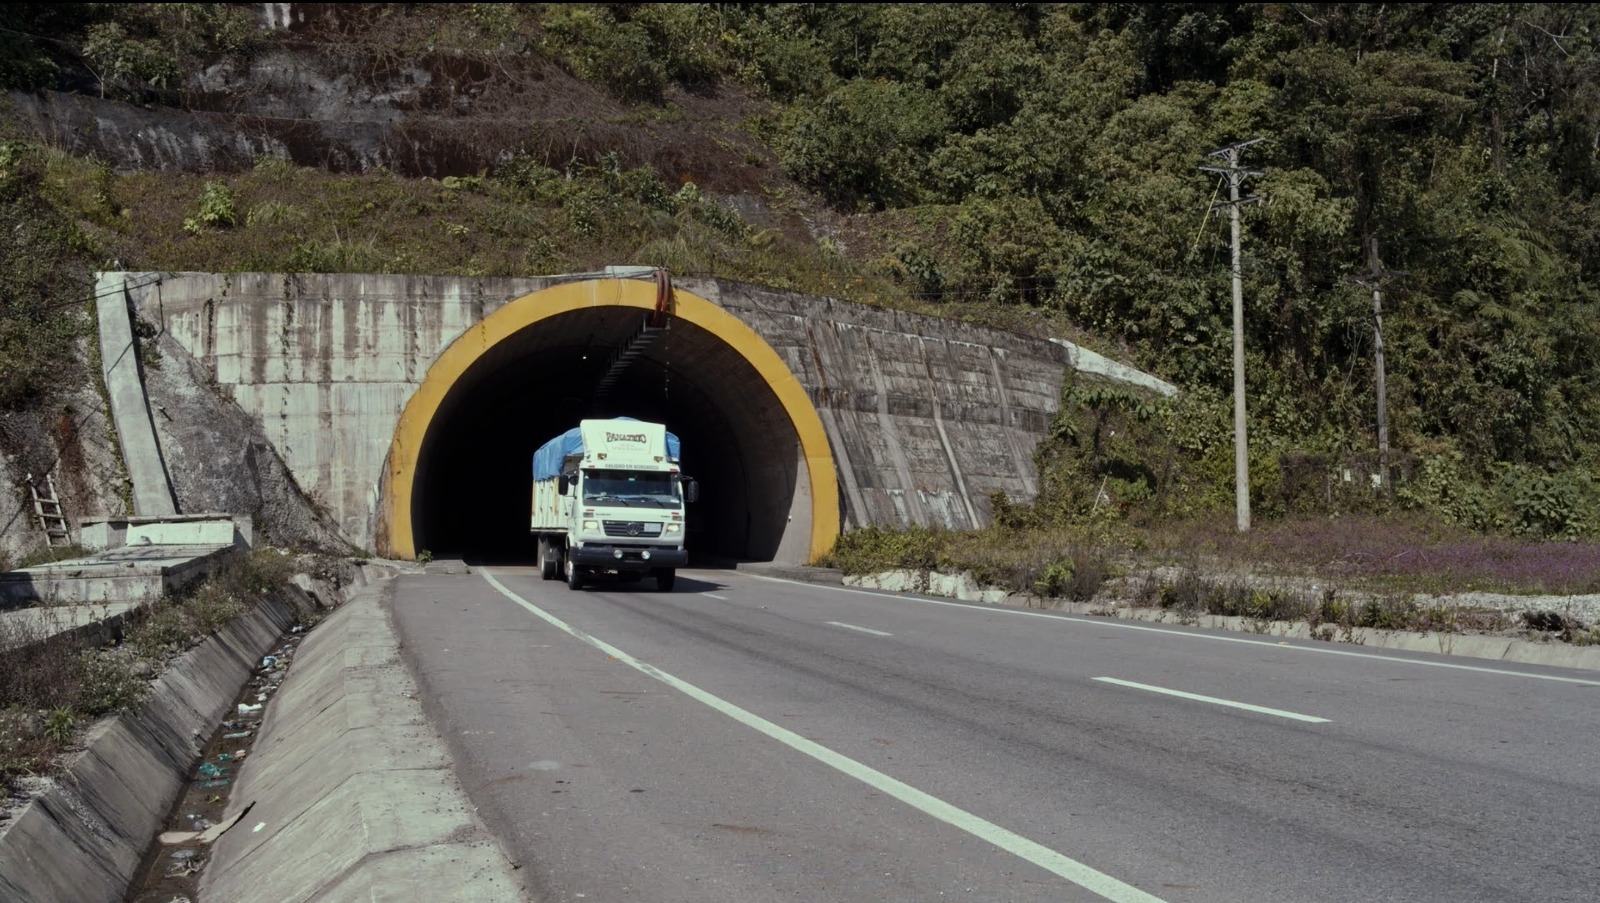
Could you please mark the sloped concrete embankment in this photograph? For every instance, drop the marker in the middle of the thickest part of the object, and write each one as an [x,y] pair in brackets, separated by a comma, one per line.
[83,838]
[351,792]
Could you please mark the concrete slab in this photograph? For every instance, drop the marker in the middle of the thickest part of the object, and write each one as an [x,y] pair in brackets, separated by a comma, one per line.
[129,574]
[352,789]
[102,533]
[205,532]
[87,623]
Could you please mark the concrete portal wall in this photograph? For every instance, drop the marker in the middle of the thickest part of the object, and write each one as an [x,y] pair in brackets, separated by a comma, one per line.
[925,417]
[326,362]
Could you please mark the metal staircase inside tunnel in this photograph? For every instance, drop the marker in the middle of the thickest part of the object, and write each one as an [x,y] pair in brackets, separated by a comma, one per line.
[626,354]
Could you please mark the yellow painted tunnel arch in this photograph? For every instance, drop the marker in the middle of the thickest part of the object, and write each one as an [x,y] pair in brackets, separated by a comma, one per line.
[395,533]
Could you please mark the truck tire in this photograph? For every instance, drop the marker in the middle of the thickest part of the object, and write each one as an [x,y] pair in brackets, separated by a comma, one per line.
[665,578]
[549,561]
[574,576]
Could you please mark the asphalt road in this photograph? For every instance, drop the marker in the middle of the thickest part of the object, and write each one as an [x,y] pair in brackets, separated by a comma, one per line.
[745,739]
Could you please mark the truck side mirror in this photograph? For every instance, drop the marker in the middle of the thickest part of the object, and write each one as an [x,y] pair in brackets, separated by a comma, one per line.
[564,484]
[691,491]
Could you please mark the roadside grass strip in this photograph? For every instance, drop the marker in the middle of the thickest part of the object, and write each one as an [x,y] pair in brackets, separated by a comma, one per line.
[1042,856]
[1280,713]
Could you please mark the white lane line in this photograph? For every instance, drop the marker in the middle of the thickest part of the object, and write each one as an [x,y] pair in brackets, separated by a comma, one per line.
[1215,701]
[862,629]
[1036,853]
[715,596]
[1123,625]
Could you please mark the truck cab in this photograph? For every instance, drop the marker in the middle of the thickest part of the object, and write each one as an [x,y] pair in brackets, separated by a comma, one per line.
[616,503]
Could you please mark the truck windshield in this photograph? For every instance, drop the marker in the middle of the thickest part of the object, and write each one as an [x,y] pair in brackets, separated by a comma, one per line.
[630,487]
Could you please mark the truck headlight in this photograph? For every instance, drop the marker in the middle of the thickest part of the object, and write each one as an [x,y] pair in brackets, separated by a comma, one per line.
[674,528]
[592,525]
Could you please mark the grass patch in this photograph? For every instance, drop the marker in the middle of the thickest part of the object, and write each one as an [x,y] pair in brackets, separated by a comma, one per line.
[1400,554]
[1336,575]
[522,218]
[50,689]
[1051,564]
[176,623]
[50,555]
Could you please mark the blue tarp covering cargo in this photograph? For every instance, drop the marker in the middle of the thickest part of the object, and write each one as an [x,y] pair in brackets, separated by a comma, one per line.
[547,460]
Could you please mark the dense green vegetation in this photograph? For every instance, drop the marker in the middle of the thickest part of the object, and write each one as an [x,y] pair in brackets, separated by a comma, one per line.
[1011,158]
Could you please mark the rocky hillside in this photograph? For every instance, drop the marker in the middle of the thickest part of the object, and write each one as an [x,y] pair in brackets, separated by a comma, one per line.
[1035,166]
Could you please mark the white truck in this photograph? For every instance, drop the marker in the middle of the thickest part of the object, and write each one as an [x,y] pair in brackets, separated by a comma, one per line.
[608,497]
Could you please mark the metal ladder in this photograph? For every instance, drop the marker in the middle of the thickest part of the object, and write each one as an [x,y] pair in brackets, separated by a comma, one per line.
[47,508]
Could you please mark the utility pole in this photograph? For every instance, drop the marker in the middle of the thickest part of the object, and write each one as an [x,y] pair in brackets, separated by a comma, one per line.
[1236,175]
[1374,279]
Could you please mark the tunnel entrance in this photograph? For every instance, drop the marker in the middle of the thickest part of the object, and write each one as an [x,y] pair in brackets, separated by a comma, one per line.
[471,480]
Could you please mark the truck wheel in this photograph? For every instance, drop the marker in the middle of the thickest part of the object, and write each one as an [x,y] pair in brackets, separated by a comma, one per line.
[548,559]
[574,576]
[665,577]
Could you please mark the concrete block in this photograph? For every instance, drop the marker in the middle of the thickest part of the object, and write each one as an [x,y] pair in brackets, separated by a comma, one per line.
[102,533]
[1560,655]
[186,533]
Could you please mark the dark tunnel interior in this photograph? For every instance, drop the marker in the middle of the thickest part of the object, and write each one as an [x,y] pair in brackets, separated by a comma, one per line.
[470,497]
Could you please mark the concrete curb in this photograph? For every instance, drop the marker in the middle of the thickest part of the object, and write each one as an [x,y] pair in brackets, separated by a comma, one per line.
[1496,648]
[353,793]
[801,572]
[83,839]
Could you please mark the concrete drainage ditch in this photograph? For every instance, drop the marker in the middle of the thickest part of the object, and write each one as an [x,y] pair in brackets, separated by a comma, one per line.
[86,833]
[83,837]
[174,862]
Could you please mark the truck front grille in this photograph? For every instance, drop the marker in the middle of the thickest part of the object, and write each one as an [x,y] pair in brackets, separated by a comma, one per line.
[631,528]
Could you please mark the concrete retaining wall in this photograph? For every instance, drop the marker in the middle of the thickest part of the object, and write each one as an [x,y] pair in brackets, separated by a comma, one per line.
[926,417]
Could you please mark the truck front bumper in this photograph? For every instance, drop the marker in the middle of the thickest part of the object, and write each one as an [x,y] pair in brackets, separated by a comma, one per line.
[631,558]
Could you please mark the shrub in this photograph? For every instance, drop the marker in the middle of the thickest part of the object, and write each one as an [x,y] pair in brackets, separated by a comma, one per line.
[60,723]
[164,632]
[24,747]
[42,284]
[35,672]
[619,55]
[875,548]
[107,683]
[217,210]
[859,144]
